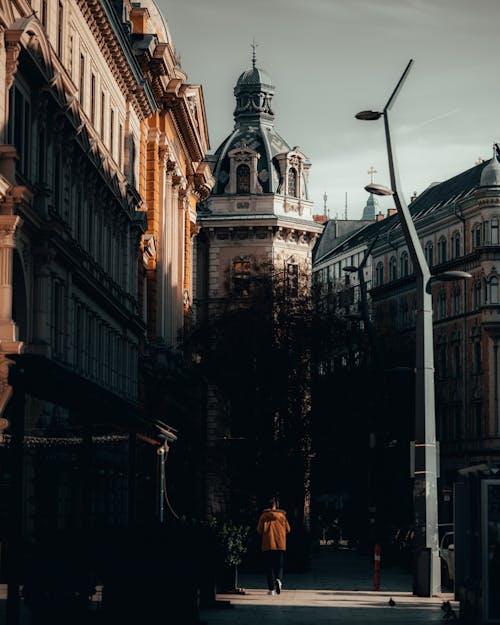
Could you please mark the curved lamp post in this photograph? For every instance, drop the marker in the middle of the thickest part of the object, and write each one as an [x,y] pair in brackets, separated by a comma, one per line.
[427,573]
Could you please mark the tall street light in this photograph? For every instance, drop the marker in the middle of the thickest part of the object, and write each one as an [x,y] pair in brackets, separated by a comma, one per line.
[427,574]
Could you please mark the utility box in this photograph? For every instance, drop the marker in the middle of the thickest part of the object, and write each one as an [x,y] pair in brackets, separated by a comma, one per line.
[477,544]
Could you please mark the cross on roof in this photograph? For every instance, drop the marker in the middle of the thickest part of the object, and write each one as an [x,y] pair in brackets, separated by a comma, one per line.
[372,171]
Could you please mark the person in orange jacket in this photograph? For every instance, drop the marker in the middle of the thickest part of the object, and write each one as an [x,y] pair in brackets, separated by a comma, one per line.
[273,526]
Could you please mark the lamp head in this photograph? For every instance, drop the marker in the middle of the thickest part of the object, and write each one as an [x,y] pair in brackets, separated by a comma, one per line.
[350,268]
[368,115]
[378,189]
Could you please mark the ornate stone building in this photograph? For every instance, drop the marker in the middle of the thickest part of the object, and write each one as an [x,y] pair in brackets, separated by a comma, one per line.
[458,224]
[257,225]
[101,143]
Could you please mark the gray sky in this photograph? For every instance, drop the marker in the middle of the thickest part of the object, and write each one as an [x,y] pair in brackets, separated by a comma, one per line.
[330,59]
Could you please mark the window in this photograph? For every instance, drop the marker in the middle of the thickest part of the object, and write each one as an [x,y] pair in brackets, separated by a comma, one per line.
[403,309]
[92,99]
[443,362]
[477,295]
[241,277]
[20,127]
[477,361]
[41,156]
[103,112]
[112,132]
[60,21]
[43,12]
[442,250]
[292,280]
[429,254]
[493,290]
[456,361]
[379,273]
[393,268]
[456,245]
[442,305]
[494,231]
[82,80]
[404,264]
[477,409]
[243,179]
[132,161]
[120,146]
[58,327]
[56,183]
[476,236]
[292,182]
[456,300]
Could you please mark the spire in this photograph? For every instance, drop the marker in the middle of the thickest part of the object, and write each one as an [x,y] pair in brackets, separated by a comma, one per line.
[325,207]
[370,210]
[254,56]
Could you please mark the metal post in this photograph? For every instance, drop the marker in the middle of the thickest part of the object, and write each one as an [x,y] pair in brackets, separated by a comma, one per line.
[162,457]
[425,484]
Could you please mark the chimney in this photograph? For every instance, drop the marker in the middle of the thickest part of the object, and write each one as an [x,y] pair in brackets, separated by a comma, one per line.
[391,211]
[379,216]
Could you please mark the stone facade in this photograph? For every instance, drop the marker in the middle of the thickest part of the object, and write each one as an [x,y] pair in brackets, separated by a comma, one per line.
[101,147]
[457,222]
[257,223]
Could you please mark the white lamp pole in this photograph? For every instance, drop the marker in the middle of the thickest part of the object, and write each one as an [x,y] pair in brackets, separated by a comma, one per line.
[427,565]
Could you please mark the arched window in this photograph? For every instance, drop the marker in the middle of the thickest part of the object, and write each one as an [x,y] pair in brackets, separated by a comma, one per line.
[477,295]
[379,273]
[243,179]
[292,182]
[456,245]
[494,290]
[393,268]
[429,253]
[442,250]
[476,235]
[404,264]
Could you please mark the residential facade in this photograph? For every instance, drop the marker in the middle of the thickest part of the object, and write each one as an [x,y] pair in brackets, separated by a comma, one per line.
[457,223]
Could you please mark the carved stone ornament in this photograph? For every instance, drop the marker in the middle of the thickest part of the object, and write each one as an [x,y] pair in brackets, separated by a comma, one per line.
[12,50]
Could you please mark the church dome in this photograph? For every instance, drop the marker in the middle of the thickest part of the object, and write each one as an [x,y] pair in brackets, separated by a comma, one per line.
[490,176]
[255,144]
[254,76]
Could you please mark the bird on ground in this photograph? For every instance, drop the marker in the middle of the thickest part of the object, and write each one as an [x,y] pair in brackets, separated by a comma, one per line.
[391,602]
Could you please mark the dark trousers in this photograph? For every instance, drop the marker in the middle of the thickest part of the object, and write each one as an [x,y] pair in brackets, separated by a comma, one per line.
[274,560]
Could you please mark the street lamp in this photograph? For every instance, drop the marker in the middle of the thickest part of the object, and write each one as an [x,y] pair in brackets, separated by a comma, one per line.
[427,575]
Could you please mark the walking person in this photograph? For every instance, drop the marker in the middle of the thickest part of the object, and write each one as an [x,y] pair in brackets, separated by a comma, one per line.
[273,526]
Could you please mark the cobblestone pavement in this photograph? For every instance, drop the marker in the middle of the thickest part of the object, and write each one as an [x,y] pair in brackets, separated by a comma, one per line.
[338,589]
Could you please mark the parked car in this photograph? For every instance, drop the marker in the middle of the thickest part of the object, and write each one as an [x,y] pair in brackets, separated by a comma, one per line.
[447,555]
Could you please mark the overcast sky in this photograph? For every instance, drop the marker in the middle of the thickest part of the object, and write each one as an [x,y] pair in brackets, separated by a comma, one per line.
[330,59]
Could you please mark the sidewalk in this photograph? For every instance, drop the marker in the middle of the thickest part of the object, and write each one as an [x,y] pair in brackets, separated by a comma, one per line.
[338,589]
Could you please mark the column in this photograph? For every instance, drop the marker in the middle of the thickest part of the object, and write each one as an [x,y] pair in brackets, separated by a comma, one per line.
[8,330]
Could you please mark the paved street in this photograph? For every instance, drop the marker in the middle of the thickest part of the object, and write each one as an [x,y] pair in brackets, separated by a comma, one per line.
[338,589]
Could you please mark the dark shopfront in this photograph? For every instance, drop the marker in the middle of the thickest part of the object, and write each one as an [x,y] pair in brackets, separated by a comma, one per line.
[73,473]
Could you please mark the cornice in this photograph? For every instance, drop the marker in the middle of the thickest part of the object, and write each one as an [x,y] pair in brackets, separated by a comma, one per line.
[117,51]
